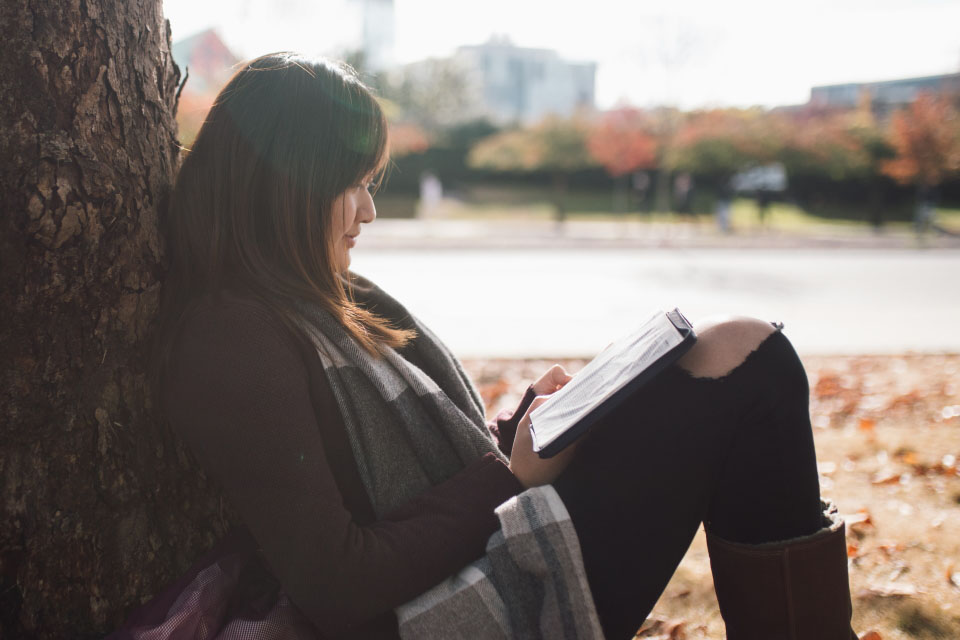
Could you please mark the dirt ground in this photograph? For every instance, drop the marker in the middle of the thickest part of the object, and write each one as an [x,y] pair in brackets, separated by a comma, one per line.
[887,431]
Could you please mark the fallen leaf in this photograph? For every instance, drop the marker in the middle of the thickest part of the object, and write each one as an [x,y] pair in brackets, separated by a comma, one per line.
[859,523]
[853,549]
[493,391]
[898,570]
[953,577]
[888,590]
[827,385]
[662,629]
[867,425]
[891,548]
[941,469]
[907,456]
[907,400]
[862,516]
[885,476]
[871,635]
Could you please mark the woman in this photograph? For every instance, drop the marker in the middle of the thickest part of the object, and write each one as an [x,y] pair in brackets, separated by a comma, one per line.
[353,446]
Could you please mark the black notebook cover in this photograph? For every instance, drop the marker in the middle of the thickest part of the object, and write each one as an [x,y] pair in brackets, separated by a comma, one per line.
[683,327]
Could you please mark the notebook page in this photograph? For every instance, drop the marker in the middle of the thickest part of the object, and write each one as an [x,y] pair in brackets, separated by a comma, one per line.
[606,374]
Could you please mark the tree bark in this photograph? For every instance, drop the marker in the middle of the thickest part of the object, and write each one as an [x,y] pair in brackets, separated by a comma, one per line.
[99,506]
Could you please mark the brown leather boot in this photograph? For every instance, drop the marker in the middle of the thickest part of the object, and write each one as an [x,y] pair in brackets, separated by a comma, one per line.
[792,590]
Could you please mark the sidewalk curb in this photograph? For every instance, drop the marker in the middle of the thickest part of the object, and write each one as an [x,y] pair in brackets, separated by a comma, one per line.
[473,234]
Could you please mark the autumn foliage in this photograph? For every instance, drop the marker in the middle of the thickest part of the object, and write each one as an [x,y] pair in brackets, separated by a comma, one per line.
[407,138]
[721,142]
[833,144]
[926,137]
[621,141]
[191,112]
[554,144]
[920,143]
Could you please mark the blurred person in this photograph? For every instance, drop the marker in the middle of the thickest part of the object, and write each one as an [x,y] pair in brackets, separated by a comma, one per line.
[925,209]
[640,182]
[763,197]
[682,193]
[724,205]
[431,194]
[353,446]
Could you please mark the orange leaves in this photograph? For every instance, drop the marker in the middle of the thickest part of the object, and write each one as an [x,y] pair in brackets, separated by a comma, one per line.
[191,112]
[885,477]
[886,551]
[828,385]
[946,466]
[491,392]
[407,138]
[657,628]
[839,395]
[886,580]
[502,383]
[722,142]
[866,392]
[622,142]
[906,400]
[917,468]
[906,456]
[926,136]
[871,635]
[859,524]
[554,144]
[836,144]
[953,577]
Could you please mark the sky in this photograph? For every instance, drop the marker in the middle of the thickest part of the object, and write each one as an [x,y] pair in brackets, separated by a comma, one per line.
[687,53]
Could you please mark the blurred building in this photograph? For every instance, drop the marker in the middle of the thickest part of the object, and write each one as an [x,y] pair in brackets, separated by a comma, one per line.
[209,61]
[885,97]
[519,84]
[377,27]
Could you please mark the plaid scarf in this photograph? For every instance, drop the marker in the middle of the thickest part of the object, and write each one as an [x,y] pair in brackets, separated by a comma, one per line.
[412,426]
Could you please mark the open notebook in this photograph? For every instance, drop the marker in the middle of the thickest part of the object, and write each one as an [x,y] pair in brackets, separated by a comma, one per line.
[609,379]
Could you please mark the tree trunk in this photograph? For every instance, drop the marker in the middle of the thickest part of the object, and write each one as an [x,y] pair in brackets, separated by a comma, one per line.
[99,506]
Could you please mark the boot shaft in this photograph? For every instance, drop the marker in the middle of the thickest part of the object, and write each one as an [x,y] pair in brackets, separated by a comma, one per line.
[792,590]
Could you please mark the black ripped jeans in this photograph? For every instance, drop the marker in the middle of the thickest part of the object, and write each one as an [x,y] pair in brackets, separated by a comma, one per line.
[734,452]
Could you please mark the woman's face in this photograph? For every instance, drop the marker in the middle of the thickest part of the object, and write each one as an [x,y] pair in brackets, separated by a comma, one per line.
[350,209]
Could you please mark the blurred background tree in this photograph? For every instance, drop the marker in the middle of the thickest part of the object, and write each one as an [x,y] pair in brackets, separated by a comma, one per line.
[435,94]
[622,141]
[858,163]
[555,145]
[719,143]
[926,138]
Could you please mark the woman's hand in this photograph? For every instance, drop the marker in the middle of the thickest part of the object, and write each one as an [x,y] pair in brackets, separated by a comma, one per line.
[529,468]
[553,380]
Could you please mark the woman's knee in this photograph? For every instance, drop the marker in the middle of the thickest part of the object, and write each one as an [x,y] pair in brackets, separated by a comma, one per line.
[723,343]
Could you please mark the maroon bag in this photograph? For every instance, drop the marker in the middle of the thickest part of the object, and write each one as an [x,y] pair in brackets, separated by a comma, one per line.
[226,595]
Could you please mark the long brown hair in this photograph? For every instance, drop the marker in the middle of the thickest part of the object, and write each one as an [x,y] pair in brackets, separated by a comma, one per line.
[250,209]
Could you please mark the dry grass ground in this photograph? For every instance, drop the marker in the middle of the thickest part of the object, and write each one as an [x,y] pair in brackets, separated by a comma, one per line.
[887,431]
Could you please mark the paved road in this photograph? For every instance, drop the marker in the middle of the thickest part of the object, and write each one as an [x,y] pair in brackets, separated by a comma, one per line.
[572,302]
